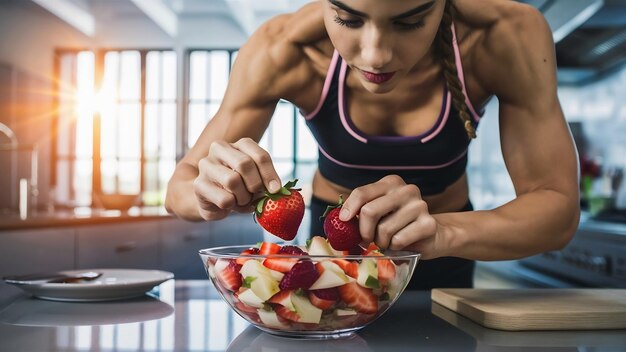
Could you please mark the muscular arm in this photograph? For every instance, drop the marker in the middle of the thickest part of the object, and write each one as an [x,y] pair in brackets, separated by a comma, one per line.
[266,69]
[537,147]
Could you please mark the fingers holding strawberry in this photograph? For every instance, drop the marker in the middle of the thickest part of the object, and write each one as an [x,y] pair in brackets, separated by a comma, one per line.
[232,176]
[342,235]
[391,213]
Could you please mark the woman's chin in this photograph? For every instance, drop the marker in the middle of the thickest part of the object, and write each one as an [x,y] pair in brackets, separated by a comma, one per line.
[379,88]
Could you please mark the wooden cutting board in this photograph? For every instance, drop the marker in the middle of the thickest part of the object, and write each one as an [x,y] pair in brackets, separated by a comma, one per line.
[538,309]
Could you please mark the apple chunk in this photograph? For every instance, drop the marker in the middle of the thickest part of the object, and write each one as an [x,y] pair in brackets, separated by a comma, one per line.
[331,275]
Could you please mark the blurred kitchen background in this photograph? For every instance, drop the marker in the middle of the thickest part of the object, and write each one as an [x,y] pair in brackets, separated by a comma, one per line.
[100,98]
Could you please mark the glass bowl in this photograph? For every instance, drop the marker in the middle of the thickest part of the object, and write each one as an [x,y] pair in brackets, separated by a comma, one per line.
[322,294]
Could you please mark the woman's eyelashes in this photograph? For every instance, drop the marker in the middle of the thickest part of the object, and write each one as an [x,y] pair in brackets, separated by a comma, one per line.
[400,25]
[348,23]
[410,26]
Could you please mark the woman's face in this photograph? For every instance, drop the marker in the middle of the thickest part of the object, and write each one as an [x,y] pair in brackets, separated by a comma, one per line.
[382,40]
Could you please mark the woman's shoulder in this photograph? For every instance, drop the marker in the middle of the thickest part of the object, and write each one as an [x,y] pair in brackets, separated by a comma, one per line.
[289,38]
[507,37]
[291,47]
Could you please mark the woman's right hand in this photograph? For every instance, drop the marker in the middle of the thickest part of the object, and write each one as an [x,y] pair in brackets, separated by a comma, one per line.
[232,176]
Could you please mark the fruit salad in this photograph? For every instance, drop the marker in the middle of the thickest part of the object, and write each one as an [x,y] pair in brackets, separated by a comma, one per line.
[309,288]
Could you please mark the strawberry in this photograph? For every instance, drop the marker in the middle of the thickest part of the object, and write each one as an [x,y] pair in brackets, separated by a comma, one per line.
[280,297]
[360,298]
[386,271]
[286,313]
[282,265]
[269,248]
[249,251]
[281,213]
[302,275]
[293,250]
[324,298]
[230,276]
[244,307]
[342,235]
[349,267]
[372,250]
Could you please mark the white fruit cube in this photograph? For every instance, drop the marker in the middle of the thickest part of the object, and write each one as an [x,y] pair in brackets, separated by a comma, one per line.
[263,286]
[250,298]
[307,312]
[368,273]
[345,312]
[319,246]
[276,275]
[269,318]
[332,276]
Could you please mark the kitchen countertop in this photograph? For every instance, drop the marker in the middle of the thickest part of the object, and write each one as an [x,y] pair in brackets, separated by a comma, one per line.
[190,316]
[80,216]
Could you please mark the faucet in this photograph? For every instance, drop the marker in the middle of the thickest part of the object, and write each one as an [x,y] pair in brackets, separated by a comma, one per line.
[26,196]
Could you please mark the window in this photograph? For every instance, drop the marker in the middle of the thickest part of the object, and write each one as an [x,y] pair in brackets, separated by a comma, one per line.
[287,139]
[73,140]
[132,117]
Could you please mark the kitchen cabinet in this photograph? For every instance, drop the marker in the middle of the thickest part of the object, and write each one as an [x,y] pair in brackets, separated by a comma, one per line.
[237,229]
[128,245]
[182,240]
[167,244]
[29,251]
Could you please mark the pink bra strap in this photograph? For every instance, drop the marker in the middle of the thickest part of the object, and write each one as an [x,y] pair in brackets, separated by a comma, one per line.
[459,70]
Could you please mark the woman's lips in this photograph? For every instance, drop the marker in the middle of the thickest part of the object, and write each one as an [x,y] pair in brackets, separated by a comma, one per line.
[377,78]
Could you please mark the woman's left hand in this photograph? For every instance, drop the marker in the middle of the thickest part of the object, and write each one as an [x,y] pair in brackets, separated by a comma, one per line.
[393,214]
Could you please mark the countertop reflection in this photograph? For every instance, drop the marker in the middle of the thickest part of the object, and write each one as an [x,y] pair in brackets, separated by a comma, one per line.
[191,316]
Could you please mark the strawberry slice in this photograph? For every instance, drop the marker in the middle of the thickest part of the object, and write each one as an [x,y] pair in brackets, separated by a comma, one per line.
[249,251]
[285,313]
[244,307]
[301,275]
[350,268]
[282,265]
[280,297]
[269,248]
[372,250]
[360,298]
[292,250]
[386,271]
[230,276]
[324,298]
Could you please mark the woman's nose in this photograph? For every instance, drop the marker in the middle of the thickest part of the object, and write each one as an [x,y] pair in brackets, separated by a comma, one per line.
[376,50]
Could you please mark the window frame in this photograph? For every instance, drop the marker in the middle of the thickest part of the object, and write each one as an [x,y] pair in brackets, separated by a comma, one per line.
[294,159]
[99,59]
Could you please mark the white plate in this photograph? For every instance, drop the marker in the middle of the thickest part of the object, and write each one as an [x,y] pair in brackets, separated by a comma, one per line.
[114,284]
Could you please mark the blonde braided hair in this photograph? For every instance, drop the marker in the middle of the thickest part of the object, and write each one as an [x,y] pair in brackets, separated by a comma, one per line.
[445,51]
